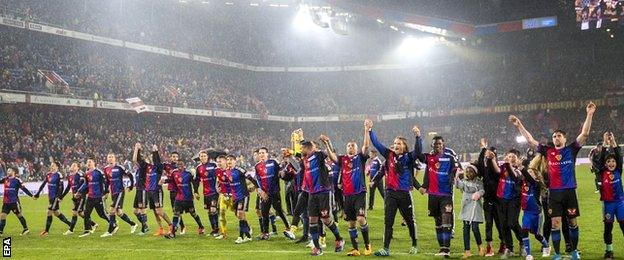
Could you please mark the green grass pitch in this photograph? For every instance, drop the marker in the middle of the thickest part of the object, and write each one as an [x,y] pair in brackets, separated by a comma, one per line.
[124,245]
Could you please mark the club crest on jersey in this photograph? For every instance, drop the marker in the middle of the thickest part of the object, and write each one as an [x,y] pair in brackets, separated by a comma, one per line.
[526,188]
[558,157]
[611,176]
[437,165]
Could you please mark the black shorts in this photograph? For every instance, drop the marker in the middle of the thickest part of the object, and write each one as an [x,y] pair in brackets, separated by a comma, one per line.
[182,206]
[319,205]
[211,201]
[15,207]
[242,204]
[140,199]
[79,204]
[53,204]
[438,205]
[562,202]
[155,199]
[118,200]
[257,201]
[355,206]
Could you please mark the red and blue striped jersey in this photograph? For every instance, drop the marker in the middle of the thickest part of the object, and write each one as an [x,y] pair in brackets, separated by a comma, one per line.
[206,174]
[55,185]
[151,173]
[238,184]
[334,173]
[439,174]
[224,181]
[267,176]
[507,181]
[399,167]
[352,174]
[168,168]
[12,185]
[530,194]
[114,176]
[374,168]
[561,164]
[183,181]
[139,179]
[95,184]
[315,174]
[611,188]
[74,181]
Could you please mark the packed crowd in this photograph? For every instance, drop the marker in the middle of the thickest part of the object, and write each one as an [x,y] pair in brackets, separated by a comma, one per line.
[111,73]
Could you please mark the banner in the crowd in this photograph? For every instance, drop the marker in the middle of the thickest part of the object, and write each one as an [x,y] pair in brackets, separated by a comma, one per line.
[393,116]
[159,109]
[281,118]
[352,117]
[191,111]
[114,105]
[60,101]
[318,119]
[137,104]
[12,22]
[12,98]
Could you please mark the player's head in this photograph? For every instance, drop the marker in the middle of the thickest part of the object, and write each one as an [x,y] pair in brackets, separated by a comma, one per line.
[180,165]
[231,161]
[54,166]
[512,156]
[372,154]
[559,138]
[471,172]
[610,162]
[174,157]
[399,146]
[222,161]
[12,171]
[110,158]
[203,157]
[263,154]
[352,147]
[74,167]
[437,143]
[307,148]
[255,155]
[91,163]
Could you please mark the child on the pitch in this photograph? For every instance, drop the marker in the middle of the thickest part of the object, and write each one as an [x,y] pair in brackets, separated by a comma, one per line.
[611,192]
[471,207]
[532,216]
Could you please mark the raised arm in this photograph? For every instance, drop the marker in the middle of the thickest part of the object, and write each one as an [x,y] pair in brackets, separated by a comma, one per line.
[330,149]
[418,146]
[590,109]
[368,124]
[516,122]
[481,160]
[135,153]
[366,143]
[491,161]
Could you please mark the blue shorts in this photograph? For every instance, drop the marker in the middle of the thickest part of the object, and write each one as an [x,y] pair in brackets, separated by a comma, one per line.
[612,210]
[532,222]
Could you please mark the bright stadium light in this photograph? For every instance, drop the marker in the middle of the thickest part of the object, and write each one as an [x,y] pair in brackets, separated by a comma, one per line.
[412,46]
[303,20]
[521,139]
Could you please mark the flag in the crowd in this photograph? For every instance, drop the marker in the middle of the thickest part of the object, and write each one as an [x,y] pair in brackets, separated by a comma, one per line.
[137,104]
